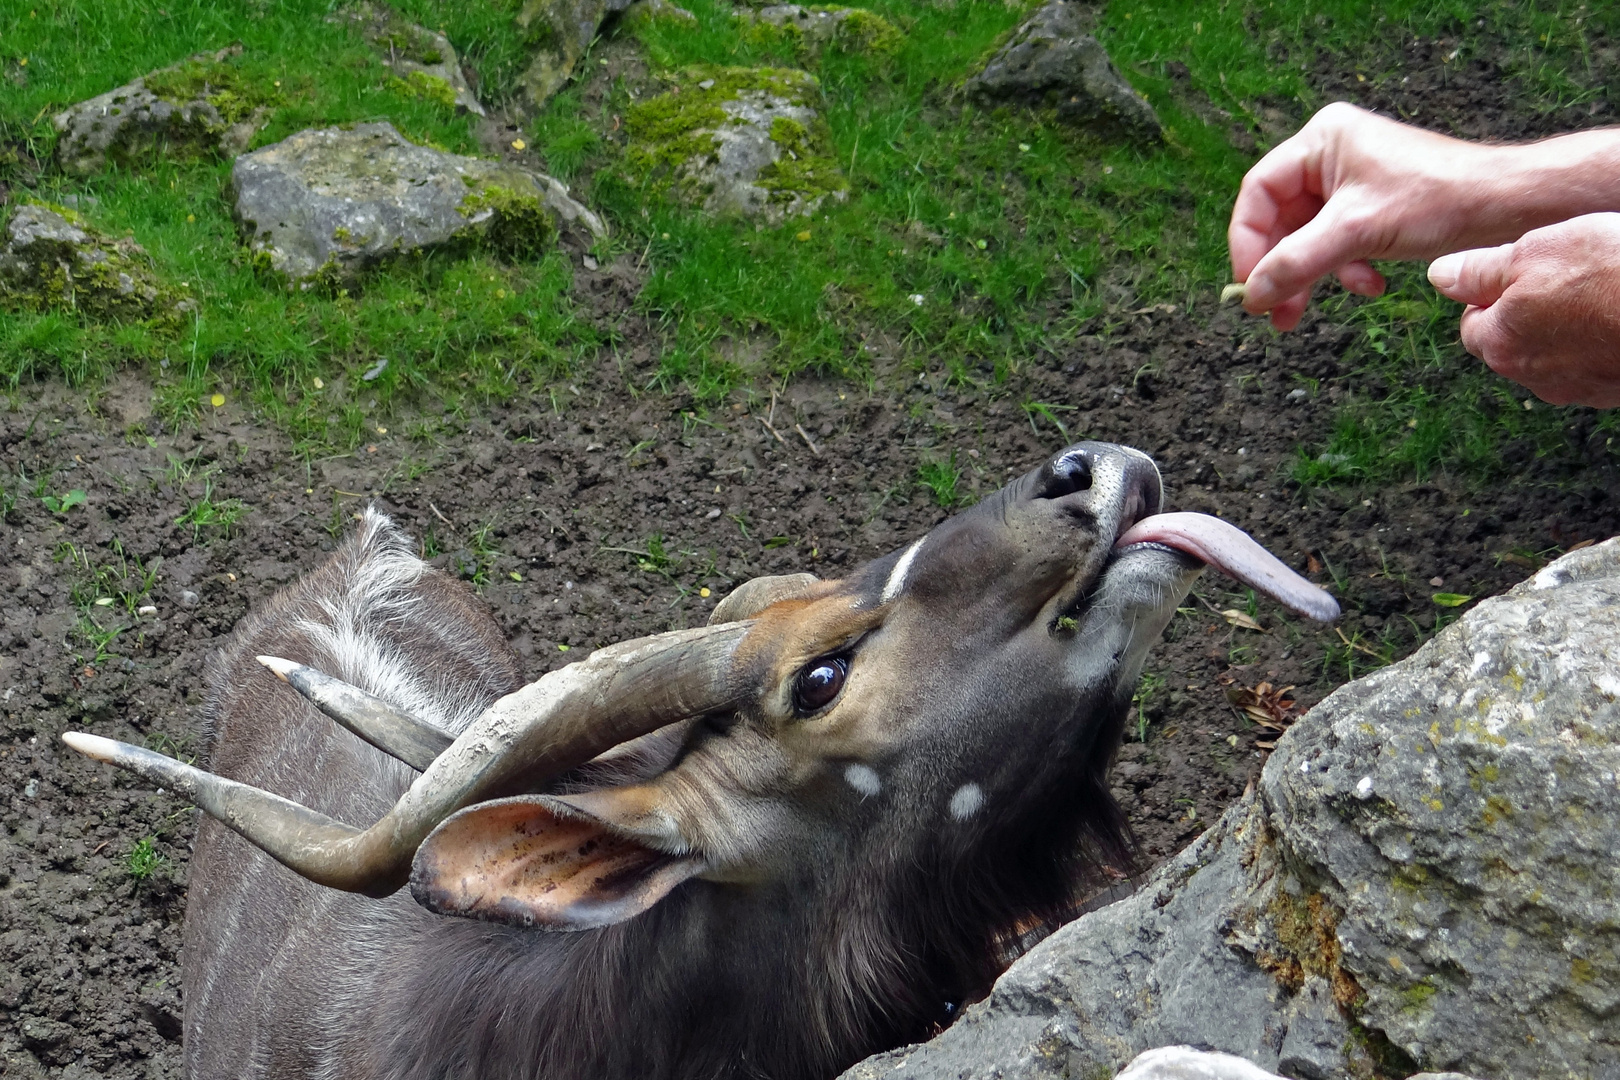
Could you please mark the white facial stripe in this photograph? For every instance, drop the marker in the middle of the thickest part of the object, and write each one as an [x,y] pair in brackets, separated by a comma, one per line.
[897,576]
[966,802]
[864,779]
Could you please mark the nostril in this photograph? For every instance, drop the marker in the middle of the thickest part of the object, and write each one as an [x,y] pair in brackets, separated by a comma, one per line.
[1142,499]
[1067,475]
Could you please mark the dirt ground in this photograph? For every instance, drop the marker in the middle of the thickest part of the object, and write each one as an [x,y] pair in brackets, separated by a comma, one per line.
[552,509]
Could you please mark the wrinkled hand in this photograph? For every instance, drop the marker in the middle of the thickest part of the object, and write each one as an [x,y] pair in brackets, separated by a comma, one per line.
[1545,311]
[1349,187]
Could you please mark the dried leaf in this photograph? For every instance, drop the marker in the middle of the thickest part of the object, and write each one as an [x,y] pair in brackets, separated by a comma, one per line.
[1267,706]
[1242,620]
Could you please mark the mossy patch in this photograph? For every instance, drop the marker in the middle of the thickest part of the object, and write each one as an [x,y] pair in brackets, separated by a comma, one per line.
[58,262]
[676,138]
[808,31]
[521,224]
[220,83]
[1307,929]
[419,84]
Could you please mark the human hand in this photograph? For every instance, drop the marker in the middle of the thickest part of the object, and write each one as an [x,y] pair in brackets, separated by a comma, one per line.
[1349,187]
[1545,311]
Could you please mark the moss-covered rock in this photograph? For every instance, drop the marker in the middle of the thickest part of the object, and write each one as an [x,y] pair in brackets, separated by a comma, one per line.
[646,11]
[202,106]
[54,260]
[559,31]
[424,62]
[322,206]
[811,30]
[748,141]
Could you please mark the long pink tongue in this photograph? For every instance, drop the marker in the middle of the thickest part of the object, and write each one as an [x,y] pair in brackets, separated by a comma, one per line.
[1236,554]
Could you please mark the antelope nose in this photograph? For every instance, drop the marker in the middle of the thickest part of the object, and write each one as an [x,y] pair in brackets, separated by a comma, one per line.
[1123,482]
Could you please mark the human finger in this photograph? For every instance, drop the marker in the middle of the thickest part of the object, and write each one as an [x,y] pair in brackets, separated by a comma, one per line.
[1274,199]
[1360,278]
[1482,336]
[1299,260]
[1287,314]
[1478,277]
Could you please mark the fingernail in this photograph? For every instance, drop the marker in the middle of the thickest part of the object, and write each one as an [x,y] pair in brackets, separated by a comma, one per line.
[1445,271]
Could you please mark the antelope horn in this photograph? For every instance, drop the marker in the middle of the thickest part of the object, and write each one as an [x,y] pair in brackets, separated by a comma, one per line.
[557,722]
[410,740]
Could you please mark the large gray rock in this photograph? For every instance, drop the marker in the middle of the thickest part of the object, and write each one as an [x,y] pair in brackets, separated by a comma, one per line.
[1424,877]
[326,204]
[1051,61]
[53,259]
[737,141]
[198,107]
[423,59]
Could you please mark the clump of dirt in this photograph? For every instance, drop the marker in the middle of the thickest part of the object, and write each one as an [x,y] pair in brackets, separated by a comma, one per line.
[602,515]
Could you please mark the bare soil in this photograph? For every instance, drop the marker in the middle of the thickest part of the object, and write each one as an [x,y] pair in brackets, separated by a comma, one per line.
[551,509]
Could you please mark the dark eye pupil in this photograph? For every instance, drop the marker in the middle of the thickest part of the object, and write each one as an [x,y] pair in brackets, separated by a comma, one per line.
[818,684]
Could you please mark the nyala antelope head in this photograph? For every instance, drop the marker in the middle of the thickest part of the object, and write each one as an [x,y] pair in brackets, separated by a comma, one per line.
[761,848]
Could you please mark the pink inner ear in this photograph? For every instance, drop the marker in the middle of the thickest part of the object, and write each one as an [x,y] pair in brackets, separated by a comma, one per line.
[520,861]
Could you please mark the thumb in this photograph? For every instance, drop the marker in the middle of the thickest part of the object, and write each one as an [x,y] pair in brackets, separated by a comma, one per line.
[1477,277]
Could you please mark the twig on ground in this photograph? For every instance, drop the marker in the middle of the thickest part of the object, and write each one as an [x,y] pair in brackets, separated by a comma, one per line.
[806,437]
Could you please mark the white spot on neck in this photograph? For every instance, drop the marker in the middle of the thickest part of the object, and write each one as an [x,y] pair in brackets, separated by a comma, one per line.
[864,779]
[966,802]
[897,576]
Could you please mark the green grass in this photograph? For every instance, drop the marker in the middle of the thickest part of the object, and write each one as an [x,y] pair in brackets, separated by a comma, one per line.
[941,477]
[1418,404]
[144,860]
[970,238]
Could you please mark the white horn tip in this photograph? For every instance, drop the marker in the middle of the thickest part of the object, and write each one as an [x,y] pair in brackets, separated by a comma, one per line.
[91,746]
[281,667]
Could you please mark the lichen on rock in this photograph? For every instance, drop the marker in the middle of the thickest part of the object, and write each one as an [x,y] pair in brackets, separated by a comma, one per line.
[811,30]
[203,105]
[54,260]
[423,61]
[744,141]
[326,204]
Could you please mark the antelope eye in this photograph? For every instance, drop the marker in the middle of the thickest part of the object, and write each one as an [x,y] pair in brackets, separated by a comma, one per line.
[819,683]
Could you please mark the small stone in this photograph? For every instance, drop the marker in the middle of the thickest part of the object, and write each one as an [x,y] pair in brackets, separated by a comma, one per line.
[1052,61]
[189,599]
[423,60]
[1297,396]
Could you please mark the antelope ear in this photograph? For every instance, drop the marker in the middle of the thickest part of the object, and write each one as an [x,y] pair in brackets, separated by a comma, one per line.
[756,594]
[535,860]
